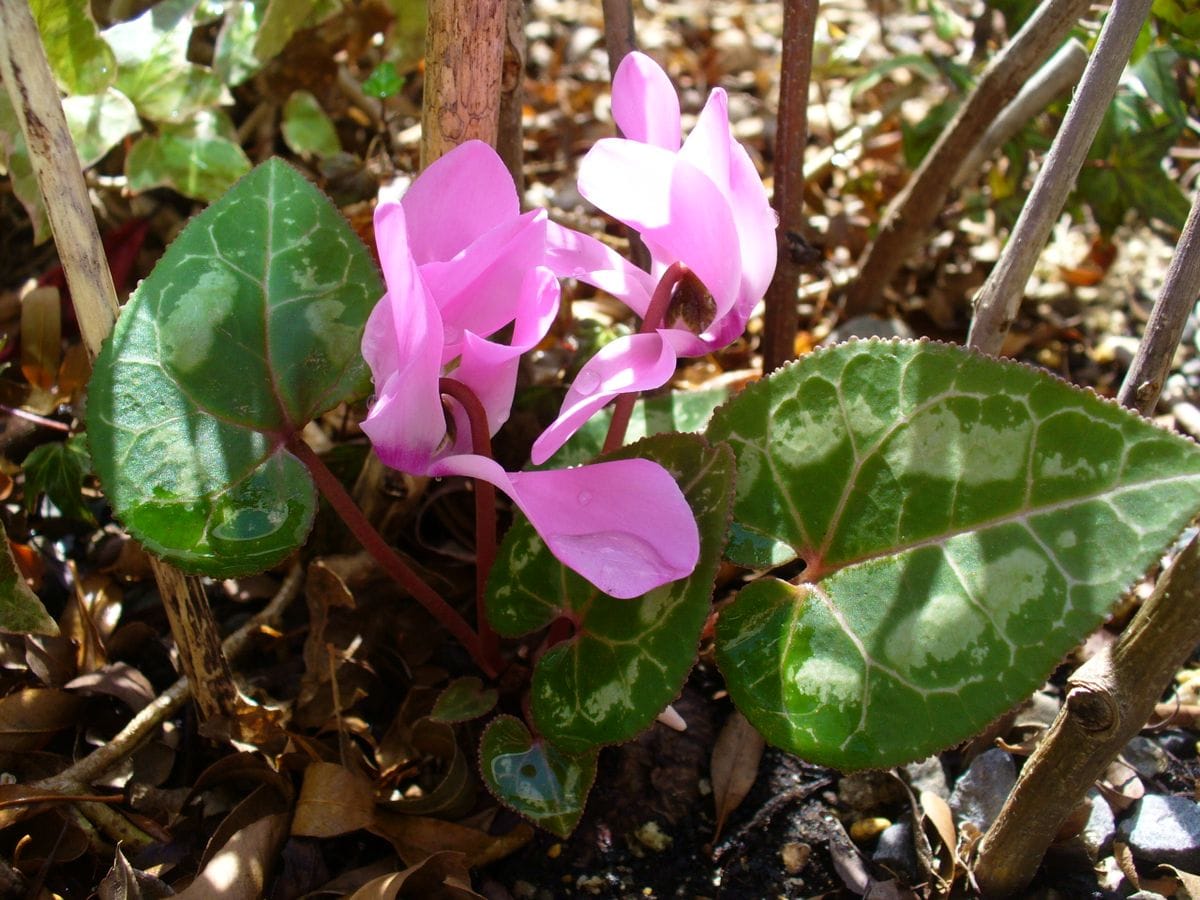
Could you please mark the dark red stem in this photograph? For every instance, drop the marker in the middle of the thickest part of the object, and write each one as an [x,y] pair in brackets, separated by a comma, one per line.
[340,499]
[485,512]
[623,407]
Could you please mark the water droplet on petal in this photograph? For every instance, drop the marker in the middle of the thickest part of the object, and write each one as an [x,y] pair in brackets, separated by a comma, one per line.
[584,498]
[587,382]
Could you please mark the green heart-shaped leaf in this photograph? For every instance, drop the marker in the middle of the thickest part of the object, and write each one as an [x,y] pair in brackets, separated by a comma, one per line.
[464,699]
[628,658]
[533,777]
[963,521]
[248,327]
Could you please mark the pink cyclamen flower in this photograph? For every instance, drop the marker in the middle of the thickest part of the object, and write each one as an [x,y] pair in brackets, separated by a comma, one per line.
[701,203]
[461,263]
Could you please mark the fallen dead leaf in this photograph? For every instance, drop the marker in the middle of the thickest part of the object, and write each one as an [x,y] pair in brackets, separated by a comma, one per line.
[30,718]
[41,336]
[735,759]
[333,800]
[124,882]
[441,876]
[241,868]
[416,838]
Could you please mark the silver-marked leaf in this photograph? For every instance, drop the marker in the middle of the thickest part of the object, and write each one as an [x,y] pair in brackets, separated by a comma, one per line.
[533,777]
[963,521]
[21,612]
[82,62]
[682,411]
[628,658]
[248,327]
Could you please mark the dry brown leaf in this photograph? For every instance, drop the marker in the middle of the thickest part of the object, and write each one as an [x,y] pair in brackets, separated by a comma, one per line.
[416,838]
[241,868]
[52,838]
[442,876]
[1189,884]
[1121,786]
[454,793]
[333,800]
[124,882]
[734,768]
[119,680]
[41,336]
[30,718]
[937,811]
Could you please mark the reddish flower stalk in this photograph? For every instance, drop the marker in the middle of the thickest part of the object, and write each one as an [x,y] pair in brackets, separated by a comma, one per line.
[485,512]
[656,313]
[340,499]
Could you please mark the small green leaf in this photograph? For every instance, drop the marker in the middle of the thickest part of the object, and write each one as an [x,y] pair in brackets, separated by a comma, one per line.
[82,62]
[98,122]
[464,699]
[384,82]
[20,170]
[248,327]
[154,71]
[306,128]
[279,23]
[533,777]
[58,470]
[233,58]
[21,612]
[195,158]
[964,522]
[628,658]
[681,411]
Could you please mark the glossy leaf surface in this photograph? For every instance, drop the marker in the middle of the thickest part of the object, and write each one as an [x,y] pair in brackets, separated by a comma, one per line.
[82,62]
[534,778]
[247,328]
[963,521]
[627,658]
[200,158]
[464,699]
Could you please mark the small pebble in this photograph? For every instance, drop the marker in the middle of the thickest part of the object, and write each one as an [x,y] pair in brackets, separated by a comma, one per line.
[795,855]
[867,829]
[1164,829]
[895,851]
[928,775]
[980,793]
[652,837]
[1101,827]
[1146,757]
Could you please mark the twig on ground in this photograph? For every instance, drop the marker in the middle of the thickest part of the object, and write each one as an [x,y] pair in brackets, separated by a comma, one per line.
[913,211]
[1146,376]
[781,317]
[998,301]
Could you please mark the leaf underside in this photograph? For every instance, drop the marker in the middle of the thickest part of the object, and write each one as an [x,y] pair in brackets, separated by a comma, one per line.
[628,658]
[248,327]
[963,521]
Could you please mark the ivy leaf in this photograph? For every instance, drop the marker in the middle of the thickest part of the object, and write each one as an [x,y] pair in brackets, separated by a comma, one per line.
[963,522]
[21,612]
[533,777]
[154,71]
[248,327]
[58,470]
[628,658]
[82,62]
[199,159]
[20,170]
[98,122]
[283,18]
[233,57]
[306,127]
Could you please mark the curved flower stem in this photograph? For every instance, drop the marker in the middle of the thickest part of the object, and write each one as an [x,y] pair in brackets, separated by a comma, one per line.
[339,498]
[655,313]
[485,513]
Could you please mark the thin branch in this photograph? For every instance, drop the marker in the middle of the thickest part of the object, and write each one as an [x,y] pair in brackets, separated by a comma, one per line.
[913,211]
[998,301]
[399,571]
[620,39]
[781,317]
[1148,373]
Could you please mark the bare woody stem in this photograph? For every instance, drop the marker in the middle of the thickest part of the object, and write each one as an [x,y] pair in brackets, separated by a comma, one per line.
[485,512]
[339,498]
[655,313]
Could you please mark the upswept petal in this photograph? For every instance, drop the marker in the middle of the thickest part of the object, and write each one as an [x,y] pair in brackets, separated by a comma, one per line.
[574,255]
[636,362]
[644,103]
[477,290]
[490,369]
[756,222]
[440,228]
[707,146]
[673,204]
[623,525]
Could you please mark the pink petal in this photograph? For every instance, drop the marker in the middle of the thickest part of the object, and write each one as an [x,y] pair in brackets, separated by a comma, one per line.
[675,206]
[574,255]
[756,223]
[490,369]
[477,290]
[624,525]
[458,198]
[707,146]
[402,343]
[644,103]
[638,362]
